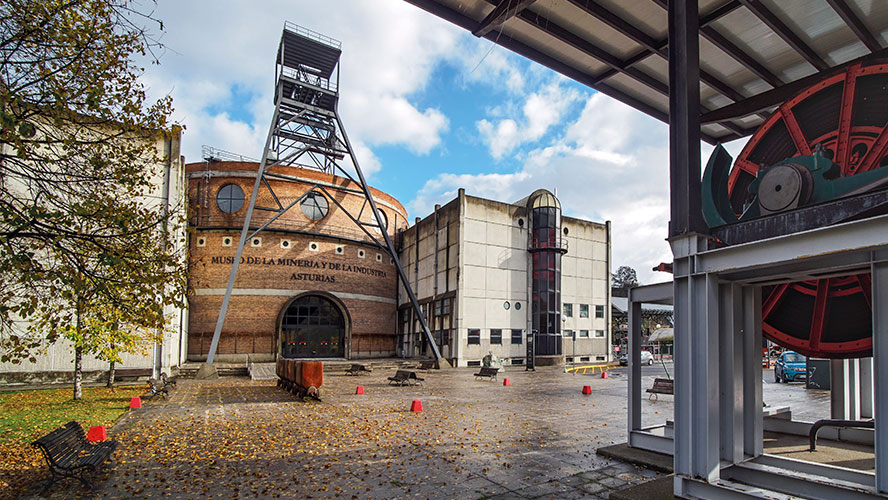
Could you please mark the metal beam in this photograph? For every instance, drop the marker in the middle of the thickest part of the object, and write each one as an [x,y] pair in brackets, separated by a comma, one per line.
[777,96]
[785,33]
[506,10]
[684,120]
[855,24]
[879,272]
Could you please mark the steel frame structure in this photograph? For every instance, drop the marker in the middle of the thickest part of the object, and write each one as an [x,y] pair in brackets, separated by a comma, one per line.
[717,294]
[307,131]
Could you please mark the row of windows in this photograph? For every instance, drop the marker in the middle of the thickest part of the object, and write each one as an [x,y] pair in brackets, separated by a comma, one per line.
[584,311]
[228,241]
[230,199]
[584,334]
[584,359]
[496,336]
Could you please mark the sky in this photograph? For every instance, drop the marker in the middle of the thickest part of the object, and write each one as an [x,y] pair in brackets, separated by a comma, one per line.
[429,109]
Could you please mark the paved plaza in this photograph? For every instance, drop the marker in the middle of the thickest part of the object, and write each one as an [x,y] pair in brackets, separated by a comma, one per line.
[236,438]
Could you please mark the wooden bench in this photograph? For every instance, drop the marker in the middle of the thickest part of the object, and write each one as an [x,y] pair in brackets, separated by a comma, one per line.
[404,377]
[489,373]
[662,386]
[428,365]
[168,381]
[70,454]
[358,370]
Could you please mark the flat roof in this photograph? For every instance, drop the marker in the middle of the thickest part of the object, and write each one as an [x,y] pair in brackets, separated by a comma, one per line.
[754,54]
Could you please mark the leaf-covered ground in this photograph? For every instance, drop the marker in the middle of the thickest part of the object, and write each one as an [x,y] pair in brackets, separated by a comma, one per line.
[235,438]
[27,415]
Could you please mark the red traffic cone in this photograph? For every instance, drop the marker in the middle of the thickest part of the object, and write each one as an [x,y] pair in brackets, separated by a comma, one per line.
[416,407]
[96,433]
[507,381]
[587,389]
[359,390]
[604,375]
[136,402]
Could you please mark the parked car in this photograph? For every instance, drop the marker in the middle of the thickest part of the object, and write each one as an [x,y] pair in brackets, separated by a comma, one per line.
[646,358]
[790,366]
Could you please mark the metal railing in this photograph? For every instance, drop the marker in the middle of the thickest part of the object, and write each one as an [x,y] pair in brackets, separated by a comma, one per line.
[312,35]
[554,243]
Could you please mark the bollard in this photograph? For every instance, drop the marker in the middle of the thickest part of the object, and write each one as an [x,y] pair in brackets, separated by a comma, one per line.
[604,375]
[416,406]
[587,389]
[136,402]
[506,381]
[96,433]
[359,390]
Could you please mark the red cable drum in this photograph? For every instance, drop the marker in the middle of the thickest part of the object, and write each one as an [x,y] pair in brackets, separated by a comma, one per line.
[847,115]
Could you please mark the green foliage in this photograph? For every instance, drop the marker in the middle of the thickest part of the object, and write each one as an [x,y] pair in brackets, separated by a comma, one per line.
[624,277]
[79,160]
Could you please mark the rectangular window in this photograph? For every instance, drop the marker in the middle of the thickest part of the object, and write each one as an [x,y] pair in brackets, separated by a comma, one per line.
[599,334]
[568,310]
[517,336]
[569,359]
[568,333]
[584,358]
[445,306]
[438,308]
[496,336]
[473,363]
[584,334]
[474,336]
[517,361]
[599,311]
[599,358]
[584,310]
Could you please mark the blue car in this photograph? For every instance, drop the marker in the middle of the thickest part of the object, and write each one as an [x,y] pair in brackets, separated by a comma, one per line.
[790,366]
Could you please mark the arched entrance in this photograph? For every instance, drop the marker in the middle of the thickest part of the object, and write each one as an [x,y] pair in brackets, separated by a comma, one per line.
[312,326]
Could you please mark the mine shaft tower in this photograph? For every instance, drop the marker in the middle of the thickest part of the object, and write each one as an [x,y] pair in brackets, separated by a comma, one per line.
[306,131]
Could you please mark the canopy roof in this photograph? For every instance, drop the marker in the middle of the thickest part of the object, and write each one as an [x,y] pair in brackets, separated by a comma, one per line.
[754,54]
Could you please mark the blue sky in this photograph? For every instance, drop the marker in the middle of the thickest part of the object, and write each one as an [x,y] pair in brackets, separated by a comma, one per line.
[429,109]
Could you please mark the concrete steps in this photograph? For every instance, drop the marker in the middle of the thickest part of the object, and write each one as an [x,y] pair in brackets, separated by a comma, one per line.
[265,371]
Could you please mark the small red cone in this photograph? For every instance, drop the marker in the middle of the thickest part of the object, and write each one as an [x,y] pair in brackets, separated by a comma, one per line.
[359,390]
[96,433]
[587,389]
[136,402]
[416,407]
[507,381]
[604,375]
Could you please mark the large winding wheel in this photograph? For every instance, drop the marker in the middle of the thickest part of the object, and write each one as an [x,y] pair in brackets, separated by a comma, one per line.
[846,117]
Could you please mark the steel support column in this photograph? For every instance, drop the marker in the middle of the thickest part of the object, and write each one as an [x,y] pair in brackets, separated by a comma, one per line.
[731,356]
[879,272]
[753,444]
[634,363]
[684,119]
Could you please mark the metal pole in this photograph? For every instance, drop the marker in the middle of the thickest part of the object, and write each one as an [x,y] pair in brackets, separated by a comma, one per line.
[389,244]
[243,238]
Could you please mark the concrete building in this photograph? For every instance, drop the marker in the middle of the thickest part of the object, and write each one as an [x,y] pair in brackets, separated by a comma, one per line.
[55,362]
[488,273]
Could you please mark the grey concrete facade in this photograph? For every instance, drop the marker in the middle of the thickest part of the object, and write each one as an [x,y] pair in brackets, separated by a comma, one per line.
[469,263]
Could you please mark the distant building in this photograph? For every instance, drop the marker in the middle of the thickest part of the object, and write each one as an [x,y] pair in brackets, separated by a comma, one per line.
[487,273]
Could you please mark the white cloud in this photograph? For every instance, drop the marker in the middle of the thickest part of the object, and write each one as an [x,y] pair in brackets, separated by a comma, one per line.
[611,164]
[541,110]
[217,49]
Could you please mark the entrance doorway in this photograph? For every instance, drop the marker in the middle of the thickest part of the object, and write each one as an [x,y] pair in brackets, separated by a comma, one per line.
[313,327]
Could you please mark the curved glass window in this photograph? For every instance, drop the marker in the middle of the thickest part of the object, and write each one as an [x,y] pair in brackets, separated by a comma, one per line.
[315,206]
[381,219]
[230,198]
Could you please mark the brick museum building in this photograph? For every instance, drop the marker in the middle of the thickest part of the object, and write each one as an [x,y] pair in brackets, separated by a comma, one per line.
[314,285]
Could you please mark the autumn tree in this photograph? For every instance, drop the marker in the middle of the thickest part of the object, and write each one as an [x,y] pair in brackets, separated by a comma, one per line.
[624,277]
[79,164]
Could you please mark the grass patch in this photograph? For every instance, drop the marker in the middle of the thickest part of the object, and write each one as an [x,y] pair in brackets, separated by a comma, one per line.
[27,415]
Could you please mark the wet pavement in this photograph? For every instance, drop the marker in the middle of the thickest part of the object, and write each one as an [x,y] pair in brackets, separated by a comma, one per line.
[236,438]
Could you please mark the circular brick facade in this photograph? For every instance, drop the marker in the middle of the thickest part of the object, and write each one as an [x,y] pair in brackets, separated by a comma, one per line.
[297,276]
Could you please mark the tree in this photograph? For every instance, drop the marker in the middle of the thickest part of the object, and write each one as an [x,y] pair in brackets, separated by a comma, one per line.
[625,277]
[78,163]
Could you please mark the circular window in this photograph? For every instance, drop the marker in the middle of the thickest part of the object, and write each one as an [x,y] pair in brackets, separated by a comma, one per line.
[361,254]
[313,246]
[381,219]
[506,305]
[230,198]
[520,222]
[517,306]
[565,231]
[285,243]
[315,206]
